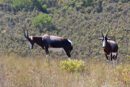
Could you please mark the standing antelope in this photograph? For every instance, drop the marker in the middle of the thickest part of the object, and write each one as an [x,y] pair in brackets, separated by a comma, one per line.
[50,42]
[110,48]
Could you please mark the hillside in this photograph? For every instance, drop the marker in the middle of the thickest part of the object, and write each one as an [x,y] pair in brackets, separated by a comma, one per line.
[79,21]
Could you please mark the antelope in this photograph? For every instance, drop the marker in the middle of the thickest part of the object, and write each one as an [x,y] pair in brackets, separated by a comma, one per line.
[50,42]
[110,48]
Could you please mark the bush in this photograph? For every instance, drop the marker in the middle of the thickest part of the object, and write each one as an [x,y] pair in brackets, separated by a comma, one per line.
[73,65]
[44,6]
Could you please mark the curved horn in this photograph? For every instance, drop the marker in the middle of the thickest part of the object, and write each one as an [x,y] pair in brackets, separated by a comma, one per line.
[102,33]
[25,34]
[107,32]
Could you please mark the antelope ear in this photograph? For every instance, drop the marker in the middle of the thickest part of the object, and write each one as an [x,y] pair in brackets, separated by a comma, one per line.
[100,38]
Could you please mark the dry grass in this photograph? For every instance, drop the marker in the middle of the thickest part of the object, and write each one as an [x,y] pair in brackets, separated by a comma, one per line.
[16,71]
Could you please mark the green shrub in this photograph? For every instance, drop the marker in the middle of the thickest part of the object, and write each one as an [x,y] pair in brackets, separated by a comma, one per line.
[73,65]
[41,20]
[44,6]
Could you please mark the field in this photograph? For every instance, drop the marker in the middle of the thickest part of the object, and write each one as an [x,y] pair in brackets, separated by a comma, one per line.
[16,71]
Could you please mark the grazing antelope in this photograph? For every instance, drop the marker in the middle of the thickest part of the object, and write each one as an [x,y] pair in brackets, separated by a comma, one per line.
[50,42]
[110,48]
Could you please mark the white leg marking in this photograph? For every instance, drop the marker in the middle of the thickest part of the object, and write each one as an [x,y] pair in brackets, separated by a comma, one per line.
[48,59]
[47,55]
[70,57]
[114,63]
[30,45]
[108,63]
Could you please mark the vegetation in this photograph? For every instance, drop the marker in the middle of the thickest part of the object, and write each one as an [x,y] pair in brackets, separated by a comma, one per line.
[78,20]
[73,65]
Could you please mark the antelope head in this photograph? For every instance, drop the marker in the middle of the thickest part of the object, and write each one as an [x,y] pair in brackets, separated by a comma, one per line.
[104,38]
[30,39]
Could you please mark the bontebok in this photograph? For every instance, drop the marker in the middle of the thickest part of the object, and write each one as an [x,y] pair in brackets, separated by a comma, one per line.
[110,48]
[50,42]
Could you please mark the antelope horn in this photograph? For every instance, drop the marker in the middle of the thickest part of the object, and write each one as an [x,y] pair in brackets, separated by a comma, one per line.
[107,32]
[25,34]
[102,33]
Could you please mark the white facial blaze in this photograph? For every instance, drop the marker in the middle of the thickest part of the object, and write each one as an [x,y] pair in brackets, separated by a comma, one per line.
[104,42]
[31,37]
[30,45]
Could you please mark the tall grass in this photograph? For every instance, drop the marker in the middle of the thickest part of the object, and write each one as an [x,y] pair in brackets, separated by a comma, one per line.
[16,71]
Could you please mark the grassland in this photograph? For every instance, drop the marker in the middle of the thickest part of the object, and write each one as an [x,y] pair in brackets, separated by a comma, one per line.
[16,71]
[78,20]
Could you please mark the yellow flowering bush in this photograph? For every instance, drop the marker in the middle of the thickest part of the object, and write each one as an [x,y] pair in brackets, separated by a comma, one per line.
[73,65]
